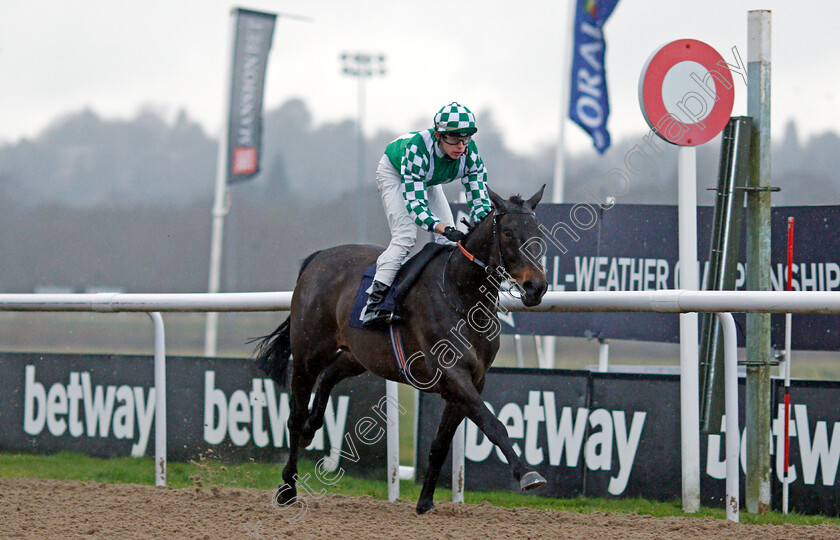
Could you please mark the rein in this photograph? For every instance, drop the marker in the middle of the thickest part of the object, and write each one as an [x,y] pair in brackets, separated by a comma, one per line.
[491,270]
[472,258]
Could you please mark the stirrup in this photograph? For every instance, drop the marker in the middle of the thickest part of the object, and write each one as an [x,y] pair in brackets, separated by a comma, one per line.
[380,319]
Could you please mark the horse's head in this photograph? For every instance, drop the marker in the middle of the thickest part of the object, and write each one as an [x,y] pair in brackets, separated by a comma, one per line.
[518,237]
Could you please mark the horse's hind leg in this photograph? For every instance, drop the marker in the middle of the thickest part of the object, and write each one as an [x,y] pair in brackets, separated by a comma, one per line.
[302,423]
[343,366]
[452,416]
[300,389]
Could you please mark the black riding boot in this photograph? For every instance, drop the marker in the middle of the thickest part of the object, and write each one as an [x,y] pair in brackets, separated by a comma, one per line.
[375,316]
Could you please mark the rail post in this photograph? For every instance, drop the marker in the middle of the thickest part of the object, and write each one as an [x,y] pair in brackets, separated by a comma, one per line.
[392,439]
[733,432]
[160,399]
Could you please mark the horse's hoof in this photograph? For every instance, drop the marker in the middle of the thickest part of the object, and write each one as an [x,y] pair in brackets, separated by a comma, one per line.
[531,480]
[284,495]
[424,506]
[306,440]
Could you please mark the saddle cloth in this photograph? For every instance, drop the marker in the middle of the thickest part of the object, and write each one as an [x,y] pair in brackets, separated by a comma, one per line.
[406,277]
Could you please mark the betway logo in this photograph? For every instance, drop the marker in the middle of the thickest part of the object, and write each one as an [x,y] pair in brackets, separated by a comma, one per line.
[565,433]
[817,451]
[242,416]
[80,408]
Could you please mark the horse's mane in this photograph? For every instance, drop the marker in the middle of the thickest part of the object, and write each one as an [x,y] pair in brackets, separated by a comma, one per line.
[516,199]
[471,227]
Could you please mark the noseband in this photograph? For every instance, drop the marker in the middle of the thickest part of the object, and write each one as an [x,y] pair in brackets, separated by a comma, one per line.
[490,270]
[486,267]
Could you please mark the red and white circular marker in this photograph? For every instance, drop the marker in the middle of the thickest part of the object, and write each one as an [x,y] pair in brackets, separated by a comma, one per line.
[686,92]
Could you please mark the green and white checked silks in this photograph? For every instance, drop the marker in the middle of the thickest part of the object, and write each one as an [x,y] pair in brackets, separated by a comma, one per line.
[455,118]
[402,226]
[422,164]
[410,177]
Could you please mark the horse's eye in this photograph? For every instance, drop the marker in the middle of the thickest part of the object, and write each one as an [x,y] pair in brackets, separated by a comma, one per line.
[507,232]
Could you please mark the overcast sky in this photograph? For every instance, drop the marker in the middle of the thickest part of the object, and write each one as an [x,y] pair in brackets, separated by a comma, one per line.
[116,56]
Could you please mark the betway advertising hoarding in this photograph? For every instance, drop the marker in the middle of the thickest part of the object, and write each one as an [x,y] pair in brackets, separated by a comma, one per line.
[618,435]
[591,247]
[103,405]
[611,435]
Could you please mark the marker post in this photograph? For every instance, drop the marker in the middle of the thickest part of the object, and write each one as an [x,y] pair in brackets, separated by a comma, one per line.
[686,94]
[788,332]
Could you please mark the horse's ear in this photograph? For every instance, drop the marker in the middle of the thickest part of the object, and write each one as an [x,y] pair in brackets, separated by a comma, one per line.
[535,200]
[498,202]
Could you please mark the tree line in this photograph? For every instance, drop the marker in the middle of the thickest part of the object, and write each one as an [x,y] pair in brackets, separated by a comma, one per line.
[125,204]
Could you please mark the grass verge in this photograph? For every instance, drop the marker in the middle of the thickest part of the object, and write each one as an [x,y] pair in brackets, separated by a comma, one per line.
[206,473]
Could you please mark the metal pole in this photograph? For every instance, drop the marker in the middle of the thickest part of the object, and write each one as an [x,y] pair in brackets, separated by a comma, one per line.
[160,399]
[393,439]
[758,264]
[723,258]
[458,444]
[517,341]
[362,66]
[220,203]
[689,349]
[603,355]
[733,432]
[788,335]
[548,348]
[360,161]
[545,351]
[658,301]
[565,83]
[538,345]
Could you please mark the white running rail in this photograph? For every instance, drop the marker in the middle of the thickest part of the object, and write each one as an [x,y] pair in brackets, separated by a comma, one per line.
[664,301]
[153,304]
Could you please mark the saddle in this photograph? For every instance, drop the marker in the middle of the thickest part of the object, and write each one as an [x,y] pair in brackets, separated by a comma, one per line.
[406,277]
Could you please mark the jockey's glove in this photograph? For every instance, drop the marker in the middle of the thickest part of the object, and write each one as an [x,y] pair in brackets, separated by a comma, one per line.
[453,235]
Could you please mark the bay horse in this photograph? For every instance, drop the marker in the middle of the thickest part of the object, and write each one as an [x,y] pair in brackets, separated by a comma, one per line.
[456,292]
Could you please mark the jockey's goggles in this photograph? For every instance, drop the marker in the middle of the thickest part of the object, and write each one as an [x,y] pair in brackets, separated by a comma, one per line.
[455,138]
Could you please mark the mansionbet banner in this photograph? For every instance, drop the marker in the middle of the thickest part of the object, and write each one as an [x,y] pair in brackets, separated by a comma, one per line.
[635,248]
[252,42]
[618,435]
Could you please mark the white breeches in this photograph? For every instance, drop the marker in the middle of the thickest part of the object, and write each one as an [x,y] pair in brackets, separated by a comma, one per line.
[403,228]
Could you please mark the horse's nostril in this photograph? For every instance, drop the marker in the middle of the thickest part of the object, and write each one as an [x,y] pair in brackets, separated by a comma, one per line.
[536,288]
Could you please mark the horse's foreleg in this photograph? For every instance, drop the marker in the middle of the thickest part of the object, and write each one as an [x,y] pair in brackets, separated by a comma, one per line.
[452,417]
[481,416]
[343,366]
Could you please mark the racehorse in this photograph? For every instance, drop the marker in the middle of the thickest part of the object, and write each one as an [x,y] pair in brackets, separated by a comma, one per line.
[450,328]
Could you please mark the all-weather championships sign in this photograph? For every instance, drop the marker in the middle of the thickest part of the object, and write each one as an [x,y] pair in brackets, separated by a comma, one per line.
[252,42]
[629,247]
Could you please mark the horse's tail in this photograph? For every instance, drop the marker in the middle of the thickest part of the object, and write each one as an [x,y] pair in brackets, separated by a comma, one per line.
[273,353]
[274,350]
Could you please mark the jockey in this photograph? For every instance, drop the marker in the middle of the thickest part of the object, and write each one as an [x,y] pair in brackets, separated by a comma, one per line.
[409,178]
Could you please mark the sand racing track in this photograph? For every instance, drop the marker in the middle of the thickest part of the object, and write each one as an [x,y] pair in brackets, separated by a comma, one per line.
[33,508]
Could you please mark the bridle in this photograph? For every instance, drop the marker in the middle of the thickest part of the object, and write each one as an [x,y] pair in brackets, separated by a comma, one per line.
[497,237]
[489,269]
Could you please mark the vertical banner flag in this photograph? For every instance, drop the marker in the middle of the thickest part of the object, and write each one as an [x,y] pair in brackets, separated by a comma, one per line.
[251,44]
[588,104]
